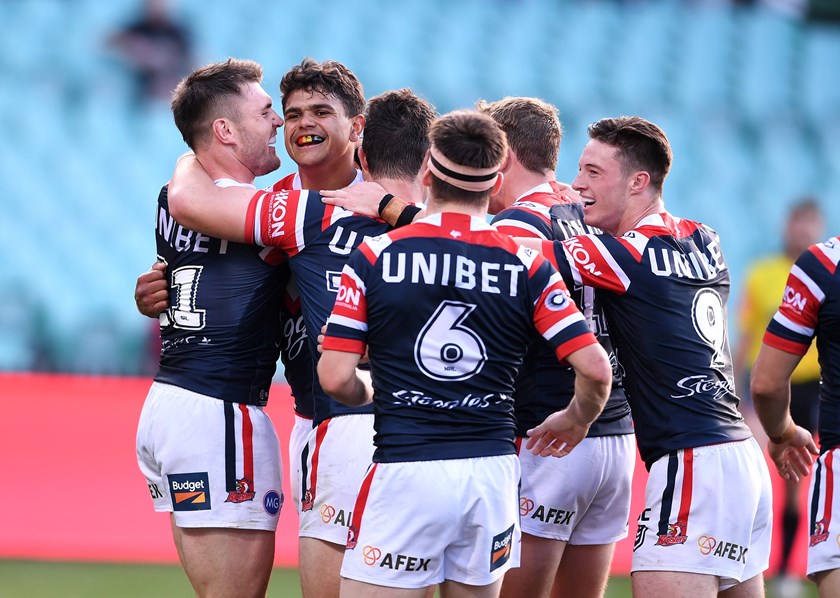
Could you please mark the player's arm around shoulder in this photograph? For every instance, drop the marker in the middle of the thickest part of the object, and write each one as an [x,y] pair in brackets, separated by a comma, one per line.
[339,379]
[199,205]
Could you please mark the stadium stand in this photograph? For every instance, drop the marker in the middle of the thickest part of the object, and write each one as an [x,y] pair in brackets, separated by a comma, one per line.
[749,97]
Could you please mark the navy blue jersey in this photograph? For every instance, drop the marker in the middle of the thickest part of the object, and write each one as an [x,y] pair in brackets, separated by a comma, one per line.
[299,367]
[545,385]
[666,286]
[318,239]
[446,307]
[811,307]
[221,334]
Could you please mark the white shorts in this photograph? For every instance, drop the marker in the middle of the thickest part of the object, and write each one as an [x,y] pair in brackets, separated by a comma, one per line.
[210,462]
[823,526]
[708,510]
[297,459]
[583,498]
[338,453]
[417,524]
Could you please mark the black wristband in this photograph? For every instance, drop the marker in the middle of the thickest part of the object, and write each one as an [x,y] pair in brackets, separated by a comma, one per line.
[407,215]
[384,203]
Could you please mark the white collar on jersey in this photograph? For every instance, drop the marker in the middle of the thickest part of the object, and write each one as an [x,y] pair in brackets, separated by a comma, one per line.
[296,184]
[541,188]
[232,183]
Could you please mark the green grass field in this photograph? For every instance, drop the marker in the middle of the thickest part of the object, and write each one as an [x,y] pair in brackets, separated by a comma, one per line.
[30,579]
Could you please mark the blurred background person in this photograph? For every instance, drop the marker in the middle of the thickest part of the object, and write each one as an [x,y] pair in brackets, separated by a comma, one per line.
[157,49]
[765,283]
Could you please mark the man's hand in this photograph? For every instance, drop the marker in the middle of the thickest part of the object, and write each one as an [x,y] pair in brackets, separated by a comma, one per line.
[794,457]
[557,435]
[151,293]
[361,198]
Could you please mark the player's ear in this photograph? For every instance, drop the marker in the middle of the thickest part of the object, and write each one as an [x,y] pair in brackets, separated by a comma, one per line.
[639,181]
[497,186]
[356,128]
[222,130]
[425,173]
[363,163]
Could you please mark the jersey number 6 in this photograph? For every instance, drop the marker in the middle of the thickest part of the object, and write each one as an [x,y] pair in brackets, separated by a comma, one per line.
[445,349]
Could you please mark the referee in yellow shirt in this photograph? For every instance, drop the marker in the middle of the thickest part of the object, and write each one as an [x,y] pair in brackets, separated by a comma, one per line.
[765,284]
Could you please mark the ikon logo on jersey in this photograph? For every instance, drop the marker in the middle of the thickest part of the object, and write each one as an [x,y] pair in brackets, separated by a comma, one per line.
[794,299]
[500,549]
[190,491]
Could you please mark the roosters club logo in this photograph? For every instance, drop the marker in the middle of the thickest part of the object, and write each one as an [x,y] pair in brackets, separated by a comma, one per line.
[308,501]
[820,533]
[675,535]
[244,491]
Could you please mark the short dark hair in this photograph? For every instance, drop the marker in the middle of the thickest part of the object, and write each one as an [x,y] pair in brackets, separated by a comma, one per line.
[205,95]
[641,145]
[329,78]
[396,135]
[532,127]
[467,138]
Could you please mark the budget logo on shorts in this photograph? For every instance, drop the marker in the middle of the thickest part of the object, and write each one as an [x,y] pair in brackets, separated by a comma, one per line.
[190,491]
[706,544]
[675,535]
[820,532]
[272,502]
[500,549]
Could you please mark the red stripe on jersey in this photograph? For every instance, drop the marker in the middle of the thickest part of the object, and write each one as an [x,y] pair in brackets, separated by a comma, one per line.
[594,267]
[359,508]
[518,441]
[823,258]
[631,248]
[547,250]
[320,433]
[247,444]
[829,488]
[284,184]
[368,253]
[799,303]
[250,217]
[345,345]
[687,488]
[683,228]
[327,217]
[569,347]
[783,344]
[277,220]
[515,231]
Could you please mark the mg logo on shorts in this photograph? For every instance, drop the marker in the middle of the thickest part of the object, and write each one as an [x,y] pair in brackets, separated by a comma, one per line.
[500,548]
[272,502]
[706,544]
[189,491]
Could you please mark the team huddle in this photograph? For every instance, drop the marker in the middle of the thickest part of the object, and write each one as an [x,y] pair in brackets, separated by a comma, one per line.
[451,320]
